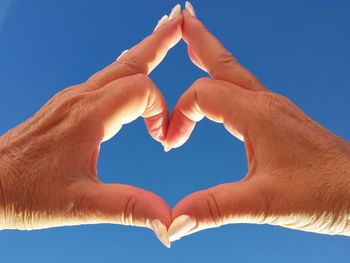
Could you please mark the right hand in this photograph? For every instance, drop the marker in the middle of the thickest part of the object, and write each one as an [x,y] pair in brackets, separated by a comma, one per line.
[299,172]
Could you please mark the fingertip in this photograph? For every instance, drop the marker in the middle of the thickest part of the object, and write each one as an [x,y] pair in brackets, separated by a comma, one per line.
[186,15]
[157,126]
[172,27]
[176,140]
[191,205]
[181,226]
[191,215]
[152,207]
[161,232]
[179,130]
[189,24]
[166,147]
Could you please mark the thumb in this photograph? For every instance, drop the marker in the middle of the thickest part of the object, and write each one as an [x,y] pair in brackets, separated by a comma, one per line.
[238,202]
[123,204]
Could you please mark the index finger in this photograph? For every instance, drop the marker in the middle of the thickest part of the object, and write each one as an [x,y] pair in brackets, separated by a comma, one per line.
[206,51]
[143,57]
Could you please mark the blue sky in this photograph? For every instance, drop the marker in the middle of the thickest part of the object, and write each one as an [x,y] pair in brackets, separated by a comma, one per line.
[297,48]
[4,10]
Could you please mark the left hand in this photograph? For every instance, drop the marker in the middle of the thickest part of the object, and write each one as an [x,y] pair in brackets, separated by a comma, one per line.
[48,171]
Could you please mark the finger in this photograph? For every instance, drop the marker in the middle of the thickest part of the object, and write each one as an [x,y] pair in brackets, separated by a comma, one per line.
[206,51]
[220,101]
[124,100]
[194,59]
[240,202]
[123,204]
[143,57]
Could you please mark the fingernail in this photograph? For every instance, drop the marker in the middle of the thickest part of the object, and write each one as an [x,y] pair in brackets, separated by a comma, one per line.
[175,12]
[180,227]
[162,21]
[166,147]
[189,7]
[161,232]
[122,53]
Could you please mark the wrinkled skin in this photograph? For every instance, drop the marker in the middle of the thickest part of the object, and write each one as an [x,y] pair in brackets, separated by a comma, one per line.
[298,174]
[48,163]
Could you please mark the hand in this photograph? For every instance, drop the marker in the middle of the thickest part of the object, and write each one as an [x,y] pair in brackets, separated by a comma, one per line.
[48,164]
[298,174]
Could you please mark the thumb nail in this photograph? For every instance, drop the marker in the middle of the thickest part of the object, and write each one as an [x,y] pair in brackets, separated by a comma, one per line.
[166,147]
[161,232]
[181,226]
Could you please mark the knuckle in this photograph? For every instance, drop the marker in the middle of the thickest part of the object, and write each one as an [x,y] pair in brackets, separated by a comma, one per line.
[214,209]
[272,106]
[132,63]
[65,100]
[138,85]
[201,82]
[226,58]
[128,215]
[80,108]
[141,79]
[206,208]
[66,92]
[74,103]
[223,61]
[265,98]
[269,103]
[71,107]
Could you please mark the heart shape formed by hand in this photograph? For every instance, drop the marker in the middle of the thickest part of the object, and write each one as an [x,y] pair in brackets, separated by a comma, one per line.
[59,148]
[199,210]
[202,209]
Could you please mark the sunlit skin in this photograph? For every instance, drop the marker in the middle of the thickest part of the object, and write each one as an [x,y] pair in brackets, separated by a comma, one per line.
[48,163]
[298,174]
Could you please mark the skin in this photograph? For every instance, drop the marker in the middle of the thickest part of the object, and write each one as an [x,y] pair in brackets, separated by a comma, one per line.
[298,172]
[48,164]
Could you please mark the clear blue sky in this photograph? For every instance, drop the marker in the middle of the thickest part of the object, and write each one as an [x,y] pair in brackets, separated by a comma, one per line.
[297,48]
